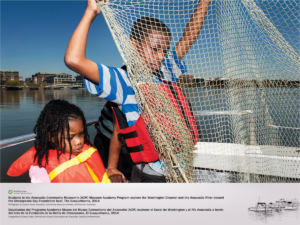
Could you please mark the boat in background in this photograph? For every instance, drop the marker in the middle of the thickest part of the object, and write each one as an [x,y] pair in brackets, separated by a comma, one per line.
[276,206]
[261,207]
[291,206]
[288,204]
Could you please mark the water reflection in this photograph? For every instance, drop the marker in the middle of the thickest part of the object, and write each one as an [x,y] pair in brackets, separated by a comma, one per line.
[20,109]
[10,99]
[16,98]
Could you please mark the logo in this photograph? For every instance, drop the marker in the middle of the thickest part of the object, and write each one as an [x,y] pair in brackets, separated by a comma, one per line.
[10,192]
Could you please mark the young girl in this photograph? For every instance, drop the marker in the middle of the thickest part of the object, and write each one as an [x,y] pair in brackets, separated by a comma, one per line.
[62,151]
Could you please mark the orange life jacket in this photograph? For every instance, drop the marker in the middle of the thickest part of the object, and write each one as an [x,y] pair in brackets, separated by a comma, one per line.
[87,167]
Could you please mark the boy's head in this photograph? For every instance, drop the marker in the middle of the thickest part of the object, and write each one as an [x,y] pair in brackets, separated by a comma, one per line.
[151,37]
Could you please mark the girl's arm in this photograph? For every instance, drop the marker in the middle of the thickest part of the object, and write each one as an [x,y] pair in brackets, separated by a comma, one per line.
[192,29]
[75,57]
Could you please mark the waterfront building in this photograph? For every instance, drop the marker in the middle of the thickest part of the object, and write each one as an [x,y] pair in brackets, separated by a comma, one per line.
[48,77]
[60,78]
[7,75]
[21,80]
[28,80]
[79,79]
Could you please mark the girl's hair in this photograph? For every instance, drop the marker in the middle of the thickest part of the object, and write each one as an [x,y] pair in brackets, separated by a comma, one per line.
[143,26]
[54,118]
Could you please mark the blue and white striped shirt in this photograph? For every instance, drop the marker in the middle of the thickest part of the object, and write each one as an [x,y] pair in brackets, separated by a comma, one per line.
[115,85]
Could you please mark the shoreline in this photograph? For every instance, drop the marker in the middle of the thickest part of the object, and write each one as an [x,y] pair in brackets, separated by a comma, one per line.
[12,88]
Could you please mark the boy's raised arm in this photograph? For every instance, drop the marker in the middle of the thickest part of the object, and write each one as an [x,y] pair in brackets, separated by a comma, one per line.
[75,58]
[192,29]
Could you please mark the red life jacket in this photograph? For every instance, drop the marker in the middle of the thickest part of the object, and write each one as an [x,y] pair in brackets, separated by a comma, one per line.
[136,138]
[88,169]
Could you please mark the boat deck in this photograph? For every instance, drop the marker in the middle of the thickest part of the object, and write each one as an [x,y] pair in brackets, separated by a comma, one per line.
[257,159]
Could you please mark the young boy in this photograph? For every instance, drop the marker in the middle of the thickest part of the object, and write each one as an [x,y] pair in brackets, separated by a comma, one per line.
[151,38]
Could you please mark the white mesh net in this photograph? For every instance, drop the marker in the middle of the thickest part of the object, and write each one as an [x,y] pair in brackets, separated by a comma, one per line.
[244,92]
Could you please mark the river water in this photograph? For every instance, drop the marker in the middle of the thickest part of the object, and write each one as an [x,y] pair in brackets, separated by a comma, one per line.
[20,110]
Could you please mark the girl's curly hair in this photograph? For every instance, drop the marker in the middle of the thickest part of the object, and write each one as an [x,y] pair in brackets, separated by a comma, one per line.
[54,118]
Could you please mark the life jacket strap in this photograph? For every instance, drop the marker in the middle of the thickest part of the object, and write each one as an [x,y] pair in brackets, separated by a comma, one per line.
[82,157]
[125,148]
[95,178]
[122,140]
[105,178]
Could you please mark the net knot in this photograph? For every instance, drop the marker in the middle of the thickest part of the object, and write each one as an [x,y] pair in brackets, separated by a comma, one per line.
[100,3]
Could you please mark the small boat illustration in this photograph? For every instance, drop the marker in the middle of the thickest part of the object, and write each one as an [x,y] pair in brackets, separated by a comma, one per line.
[276,206]
[261,207]
[291,206]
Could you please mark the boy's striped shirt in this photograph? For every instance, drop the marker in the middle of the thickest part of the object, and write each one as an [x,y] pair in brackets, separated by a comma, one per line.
[115,85]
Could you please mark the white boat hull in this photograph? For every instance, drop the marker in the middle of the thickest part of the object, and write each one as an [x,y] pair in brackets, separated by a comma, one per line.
[259,209]
[290,208]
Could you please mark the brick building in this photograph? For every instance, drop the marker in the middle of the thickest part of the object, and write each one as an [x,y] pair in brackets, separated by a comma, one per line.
[60,78]
[47,76]
[7,75]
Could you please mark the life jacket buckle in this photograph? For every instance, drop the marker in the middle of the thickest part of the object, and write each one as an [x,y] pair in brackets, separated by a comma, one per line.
[80,159]
[121,139]
[76,161]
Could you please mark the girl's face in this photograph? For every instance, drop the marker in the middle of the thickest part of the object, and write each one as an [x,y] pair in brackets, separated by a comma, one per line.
[154,48]
[76,133]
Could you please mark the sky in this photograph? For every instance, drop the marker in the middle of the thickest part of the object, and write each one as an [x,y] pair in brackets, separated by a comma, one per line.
[35,35]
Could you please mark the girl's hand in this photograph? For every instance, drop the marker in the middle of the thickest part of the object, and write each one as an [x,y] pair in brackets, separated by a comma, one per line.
[116,176]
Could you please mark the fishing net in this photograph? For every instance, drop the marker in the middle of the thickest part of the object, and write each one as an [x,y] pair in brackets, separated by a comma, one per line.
[244,92]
